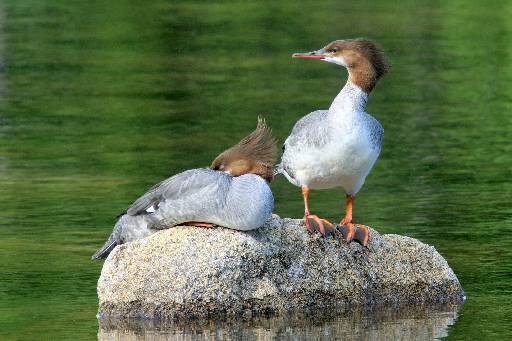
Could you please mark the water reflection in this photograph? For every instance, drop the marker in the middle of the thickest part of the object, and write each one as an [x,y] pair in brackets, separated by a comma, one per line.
[384,323]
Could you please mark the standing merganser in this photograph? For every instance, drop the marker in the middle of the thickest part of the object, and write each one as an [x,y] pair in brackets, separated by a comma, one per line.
[339,146]
[233,193]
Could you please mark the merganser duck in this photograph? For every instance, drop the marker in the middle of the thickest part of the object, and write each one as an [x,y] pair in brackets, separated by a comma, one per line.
[233,193]
[339,146]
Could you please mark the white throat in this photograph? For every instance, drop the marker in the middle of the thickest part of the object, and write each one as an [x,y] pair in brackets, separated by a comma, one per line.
[350,99]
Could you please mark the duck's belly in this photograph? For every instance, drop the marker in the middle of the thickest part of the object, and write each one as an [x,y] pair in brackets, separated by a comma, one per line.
[345,163]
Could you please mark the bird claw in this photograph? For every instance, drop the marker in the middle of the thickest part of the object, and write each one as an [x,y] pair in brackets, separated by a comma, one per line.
[323,226]
[355,232]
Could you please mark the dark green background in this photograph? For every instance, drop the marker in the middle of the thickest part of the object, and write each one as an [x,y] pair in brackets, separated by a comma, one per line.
[102,99]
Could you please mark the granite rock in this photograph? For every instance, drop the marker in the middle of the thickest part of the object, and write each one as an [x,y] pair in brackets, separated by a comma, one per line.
[192,272]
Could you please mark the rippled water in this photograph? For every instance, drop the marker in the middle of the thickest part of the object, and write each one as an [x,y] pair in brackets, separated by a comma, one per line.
[102,99]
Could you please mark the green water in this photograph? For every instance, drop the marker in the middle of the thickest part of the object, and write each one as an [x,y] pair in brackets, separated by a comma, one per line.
[101,99]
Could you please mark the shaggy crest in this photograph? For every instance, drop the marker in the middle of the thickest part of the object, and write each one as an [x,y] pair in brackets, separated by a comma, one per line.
[365,49]
[259,147]
[373,52]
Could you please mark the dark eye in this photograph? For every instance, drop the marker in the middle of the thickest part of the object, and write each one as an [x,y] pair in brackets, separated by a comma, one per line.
[334,49]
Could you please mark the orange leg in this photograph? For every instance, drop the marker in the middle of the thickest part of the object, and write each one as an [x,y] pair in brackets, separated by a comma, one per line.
[357,232]
[198,224]
[323,226]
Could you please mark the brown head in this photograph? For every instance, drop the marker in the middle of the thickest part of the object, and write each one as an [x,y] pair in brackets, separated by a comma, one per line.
[256,153]
[365,60]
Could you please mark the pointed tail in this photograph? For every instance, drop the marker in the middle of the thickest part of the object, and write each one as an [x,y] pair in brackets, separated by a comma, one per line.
[105,250]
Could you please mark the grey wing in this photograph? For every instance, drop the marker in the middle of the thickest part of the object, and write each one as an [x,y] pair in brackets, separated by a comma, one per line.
[311,130]
[179,185]
[376,132]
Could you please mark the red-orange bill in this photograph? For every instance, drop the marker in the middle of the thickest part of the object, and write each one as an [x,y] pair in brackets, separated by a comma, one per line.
[308,56]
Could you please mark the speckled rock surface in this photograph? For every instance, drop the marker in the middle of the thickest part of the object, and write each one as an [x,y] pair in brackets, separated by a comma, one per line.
[186,271]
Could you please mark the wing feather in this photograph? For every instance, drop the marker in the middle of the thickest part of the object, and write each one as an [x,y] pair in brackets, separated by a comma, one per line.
[312,130]
[179,185]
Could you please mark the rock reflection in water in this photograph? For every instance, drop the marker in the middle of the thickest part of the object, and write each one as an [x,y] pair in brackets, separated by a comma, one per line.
[382,323]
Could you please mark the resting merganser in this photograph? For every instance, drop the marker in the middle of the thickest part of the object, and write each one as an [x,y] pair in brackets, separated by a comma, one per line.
[233,193]
[339,146]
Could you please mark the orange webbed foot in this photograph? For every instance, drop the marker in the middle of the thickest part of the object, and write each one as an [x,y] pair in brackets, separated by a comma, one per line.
[355,232]
[314,223]
[198,224]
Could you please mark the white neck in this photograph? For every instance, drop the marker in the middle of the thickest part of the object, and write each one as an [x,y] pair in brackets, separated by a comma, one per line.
[350,99]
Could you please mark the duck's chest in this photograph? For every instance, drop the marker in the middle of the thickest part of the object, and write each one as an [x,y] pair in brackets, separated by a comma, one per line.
[347,156]
[348,149]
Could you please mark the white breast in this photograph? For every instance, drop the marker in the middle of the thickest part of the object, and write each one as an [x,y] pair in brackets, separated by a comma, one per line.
[345,161]
[334,148]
